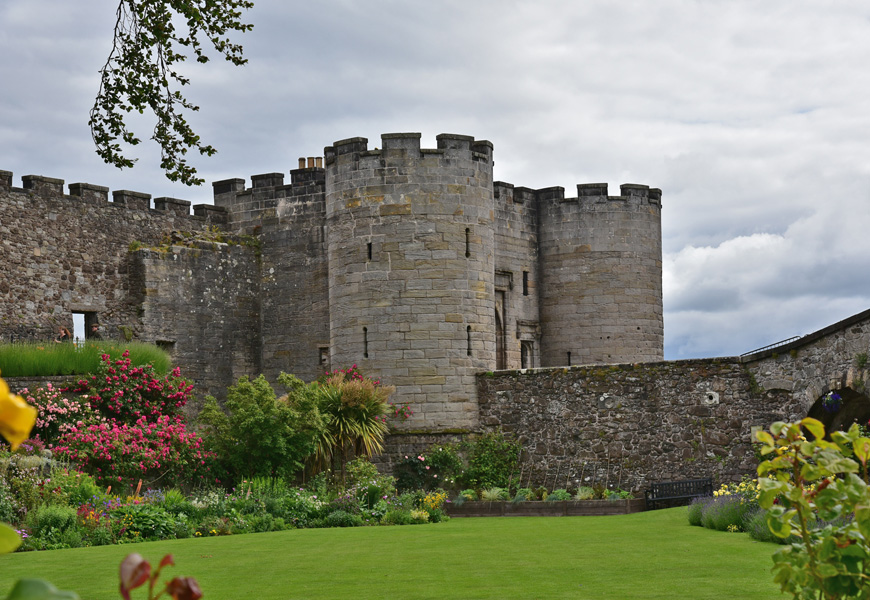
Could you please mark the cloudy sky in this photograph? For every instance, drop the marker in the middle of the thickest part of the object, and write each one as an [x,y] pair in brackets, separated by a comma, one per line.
[753,118]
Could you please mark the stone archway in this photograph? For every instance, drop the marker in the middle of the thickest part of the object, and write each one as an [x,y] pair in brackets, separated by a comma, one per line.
[854,408]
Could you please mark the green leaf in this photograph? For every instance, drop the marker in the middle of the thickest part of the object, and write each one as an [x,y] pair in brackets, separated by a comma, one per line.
[9,540]
[780,523]
[38,589]
[814,426]
[861,448]
[764,437]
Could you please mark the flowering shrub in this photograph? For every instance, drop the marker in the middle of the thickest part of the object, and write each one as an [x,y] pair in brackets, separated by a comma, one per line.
[126,393]
[115,452]
[56,412]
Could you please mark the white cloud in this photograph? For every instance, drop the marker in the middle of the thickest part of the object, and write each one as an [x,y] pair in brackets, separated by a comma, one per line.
[750,116]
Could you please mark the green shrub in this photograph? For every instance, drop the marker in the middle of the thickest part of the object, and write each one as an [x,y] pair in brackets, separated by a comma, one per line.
[145,521]
[397,517]
[559,495]
[51,517]
[524,495]
[341,518]
[418,517]
[258,435]
[101,536]
[468,494]
[265,522]
[491,461]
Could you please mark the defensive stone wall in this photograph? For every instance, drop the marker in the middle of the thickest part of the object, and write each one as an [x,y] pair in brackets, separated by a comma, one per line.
[629,425]
[65,253]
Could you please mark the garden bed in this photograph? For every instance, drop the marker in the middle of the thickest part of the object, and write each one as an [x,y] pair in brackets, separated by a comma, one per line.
[570,508]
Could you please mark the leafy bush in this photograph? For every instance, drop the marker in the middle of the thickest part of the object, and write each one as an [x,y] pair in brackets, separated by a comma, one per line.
[145,521]
[524,495]
[617,494]
[341,518]
[51,516]
[419,516]
[468,494]
[260,435]
[266,522]
[559,496]
[491,461]
[397,517]
[346,502]
[813,489]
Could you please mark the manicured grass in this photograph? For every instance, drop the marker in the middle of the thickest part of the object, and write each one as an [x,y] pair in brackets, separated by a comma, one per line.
[644,556]
[34,359]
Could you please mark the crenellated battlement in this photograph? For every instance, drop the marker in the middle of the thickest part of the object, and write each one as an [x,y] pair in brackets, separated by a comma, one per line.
[406,147]
[588,194]
[88,193]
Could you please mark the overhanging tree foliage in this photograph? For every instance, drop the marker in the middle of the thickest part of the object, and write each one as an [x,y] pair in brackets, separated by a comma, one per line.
[140,75]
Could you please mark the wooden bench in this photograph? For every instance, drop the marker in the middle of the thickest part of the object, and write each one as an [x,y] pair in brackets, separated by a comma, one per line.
[677,493]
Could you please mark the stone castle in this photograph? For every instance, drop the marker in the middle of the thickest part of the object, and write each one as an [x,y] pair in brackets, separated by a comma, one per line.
[410,262]
[415,265]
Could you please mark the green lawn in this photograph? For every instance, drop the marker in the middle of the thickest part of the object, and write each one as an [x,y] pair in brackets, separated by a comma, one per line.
[645,556]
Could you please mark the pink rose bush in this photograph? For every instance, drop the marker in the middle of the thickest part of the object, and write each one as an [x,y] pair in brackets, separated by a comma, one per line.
[136,428]
[57,413]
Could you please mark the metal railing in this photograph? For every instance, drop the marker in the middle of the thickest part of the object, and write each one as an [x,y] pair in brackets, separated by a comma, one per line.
[771,346]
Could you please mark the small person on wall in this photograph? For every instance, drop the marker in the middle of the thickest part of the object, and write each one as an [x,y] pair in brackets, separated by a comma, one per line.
[65,336]
[95,332]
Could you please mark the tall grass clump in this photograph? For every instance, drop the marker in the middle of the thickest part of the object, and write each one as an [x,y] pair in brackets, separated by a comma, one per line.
[36,359]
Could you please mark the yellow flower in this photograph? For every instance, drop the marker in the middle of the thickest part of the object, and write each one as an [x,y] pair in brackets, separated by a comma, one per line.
[16,416]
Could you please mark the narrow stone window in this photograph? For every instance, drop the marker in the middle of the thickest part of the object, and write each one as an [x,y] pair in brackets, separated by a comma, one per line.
[527,351]
[468,340]
[467,242]
[324,358]
[370,250]
[366,342]
[525,283]
[569,359]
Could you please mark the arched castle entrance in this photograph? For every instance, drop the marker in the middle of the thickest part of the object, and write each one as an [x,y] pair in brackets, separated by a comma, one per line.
[853,407]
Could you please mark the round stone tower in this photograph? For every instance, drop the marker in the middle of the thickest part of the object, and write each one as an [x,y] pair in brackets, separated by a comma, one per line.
[410,258]
[601,275]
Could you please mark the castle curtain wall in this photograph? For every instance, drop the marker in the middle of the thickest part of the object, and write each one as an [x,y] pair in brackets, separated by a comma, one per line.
[70,253]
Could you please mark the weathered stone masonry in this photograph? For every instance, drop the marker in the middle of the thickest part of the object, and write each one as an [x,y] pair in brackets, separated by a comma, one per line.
[631,424]
[415,265]
[409,262]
